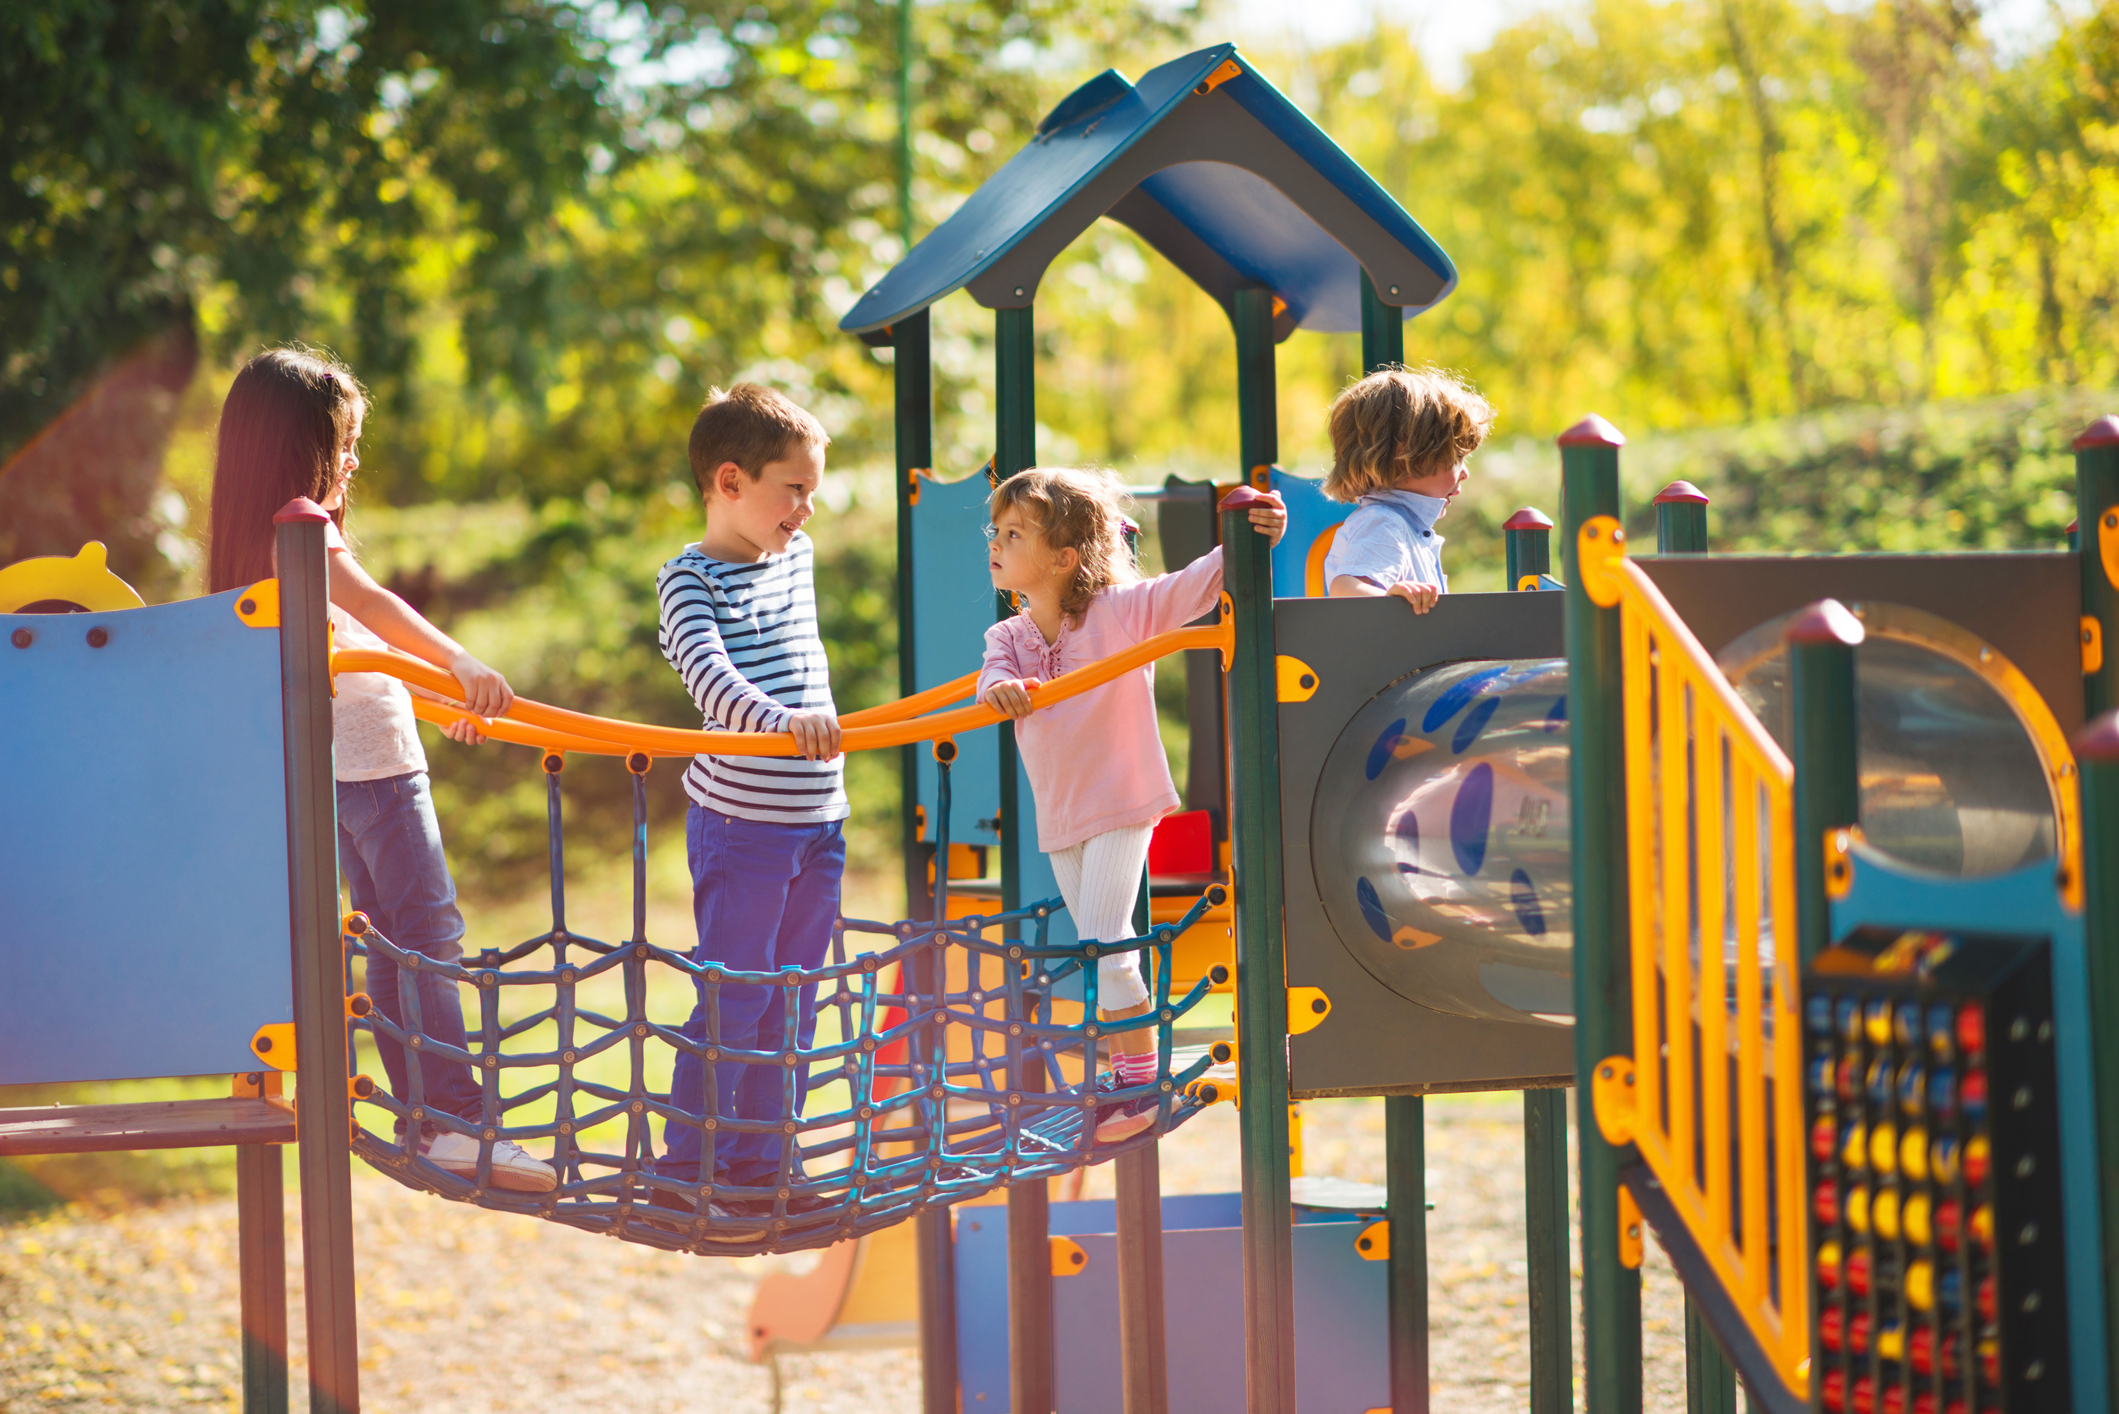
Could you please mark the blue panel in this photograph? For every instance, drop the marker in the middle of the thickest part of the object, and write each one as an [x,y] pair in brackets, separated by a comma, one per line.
[1238,214]
[2022,902]
[1342,1361]
[143,844]
[1310,514]
[952,598]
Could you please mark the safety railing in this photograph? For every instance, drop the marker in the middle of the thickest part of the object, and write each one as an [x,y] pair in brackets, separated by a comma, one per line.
[1712,1094]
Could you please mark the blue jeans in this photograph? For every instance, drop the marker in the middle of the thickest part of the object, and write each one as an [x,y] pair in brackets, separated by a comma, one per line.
[764,897]
[389,849]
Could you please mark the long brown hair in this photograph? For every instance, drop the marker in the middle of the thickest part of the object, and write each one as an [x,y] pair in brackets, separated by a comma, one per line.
[286,420]
[1076,509]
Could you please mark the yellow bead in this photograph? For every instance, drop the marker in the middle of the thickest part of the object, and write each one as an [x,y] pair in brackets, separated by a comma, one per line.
[1883,1148]
[1913,1153]
[1920,1286]
[1983,1224]
[1884,1213]
[1858,1208]
[1855,1153]
[1879,1020]
[1917,1220]
[1891,1343]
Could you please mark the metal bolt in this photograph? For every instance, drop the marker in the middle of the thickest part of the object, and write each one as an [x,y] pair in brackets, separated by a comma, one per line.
[2030,1301]
[247,607]
[2019,1028]
[98,636]
[2028,1236]
[490,1135]
[1018,291]
[2022,1098]
[22,638]
[1394,289]
[2026,1166]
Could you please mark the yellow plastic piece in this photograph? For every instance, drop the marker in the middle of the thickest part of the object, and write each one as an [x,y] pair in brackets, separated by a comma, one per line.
[1307,1009]
[1913,1154]
[1068,1258]
[1982,1225]
[1313,583]
[1883,1214]
[1920,1285]
[1374,1244]
[1600,547]
[1229,69]
[1918,1220]
[1294,1140]
[1883,1148]
[259,605]
[1891,1343]
[1298,680]
[2108,546]
[1733,824]
[1630,1245]
[1210,1091]
[84,580]
[1613,1096]
[1839,861]
[1858,1207]
[274,1045]
[1526,582]
[2092,645]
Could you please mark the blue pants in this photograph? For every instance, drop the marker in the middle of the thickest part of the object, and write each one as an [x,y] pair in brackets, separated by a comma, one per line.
[764,897]
[389,849]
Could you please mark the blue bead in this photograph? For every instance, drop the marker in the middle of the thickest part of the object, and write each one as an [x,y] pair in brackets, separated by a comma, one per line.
[1817,1011]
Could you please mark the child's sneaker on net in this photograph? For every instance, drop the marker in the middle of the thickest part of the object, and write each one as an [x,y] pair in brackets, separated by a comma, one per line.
[514,1167]
[1118,1120]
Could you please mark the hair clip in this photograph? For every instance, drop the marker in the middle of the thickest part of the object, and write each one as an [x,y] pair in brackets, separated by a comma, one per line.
[330,377]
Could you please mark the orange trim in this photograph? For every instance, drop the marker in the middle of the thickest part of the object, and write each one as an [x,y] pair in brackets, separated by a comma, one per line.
[1229,69]
[1313,564]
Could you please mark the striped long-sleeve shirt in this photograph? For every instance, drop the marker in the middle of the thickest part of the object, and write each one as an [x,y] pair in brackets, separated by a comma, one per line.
[744,639]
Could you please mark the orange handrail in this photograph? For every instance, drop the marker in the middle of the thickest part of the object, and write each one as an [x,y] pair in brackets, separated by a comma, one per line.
[530,723]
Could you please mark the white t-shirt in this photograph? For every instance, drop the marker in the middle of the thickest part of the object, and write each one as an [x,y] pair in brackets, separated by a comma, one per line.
[371,714]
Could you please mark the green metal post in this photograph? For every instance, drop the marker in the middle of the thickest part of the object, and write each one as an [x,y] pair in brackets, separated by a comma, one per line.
[322,1104]
[1552,1356]
[1405,1173]
[1261,974]
[1404,1116]
[261,1242]
[1030,1375]
[912,371]
[1825,711]
[1611,1293]
[2097,515]
[1527,538]
[2097,752]
[1681,520]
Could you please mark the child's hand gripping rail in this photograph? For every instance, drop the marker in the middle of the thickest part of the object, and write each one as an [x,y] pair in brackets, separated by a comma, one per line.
[909,719]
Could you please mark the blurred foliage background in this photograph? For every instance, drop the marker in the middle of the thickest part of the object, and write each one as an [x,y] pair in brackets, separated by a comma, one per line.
[1851,268]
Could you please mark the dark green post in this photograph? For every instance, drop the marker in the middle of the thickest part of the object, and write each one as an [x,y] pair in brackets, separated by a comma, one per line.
[1552,1341]
[2097,515]
[1029,1204]
[261,1242]
[322,1105]
[912,372]
[1681,520]
[1261,973]
[1404,1116]
[1611,1293]
[1825,711]
[1527,538]
[2097,756]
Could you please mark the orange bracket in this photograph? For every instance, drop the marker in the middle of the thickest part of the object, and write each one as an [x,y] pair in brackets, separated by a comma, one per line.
[1068,1258]
[1374,1244]
[274,1045]
[1630,1250]
[1229,69]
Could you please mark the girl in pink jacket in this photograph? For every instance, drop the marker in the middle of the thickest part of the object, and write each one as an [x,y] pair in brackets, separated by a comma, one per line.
[1096,761]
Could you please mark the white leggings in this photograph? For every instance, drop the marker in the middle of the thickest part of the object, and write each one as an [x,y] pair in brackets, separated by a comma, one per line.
[1100,880]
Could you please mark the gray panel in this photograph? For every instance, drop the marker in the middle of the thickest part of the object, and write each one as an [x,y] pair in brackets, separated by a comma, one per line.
[2028,604]
[1375,1041]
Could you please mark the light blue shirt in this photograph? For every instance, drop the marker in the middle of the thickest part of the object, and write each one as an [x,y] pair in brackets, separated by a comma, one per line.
[1390,538]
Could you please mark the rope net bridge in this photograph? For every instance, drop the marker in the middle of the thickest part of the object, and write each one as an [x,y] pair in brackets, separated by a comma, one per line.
[947,1060]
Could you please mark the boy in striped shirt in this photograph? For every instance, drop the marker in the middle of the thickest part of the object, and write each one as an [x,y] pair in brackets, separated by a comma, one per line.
[739,623]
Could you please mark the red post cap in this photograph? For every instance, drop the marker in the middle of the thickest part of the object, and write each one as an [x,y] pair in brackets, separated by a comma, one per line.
[1592,431]
[2104,432]
[1529,518]
[2073,521]
[2099,741]
[301,508]
[1681,491]
[1242,497]
[1826,621]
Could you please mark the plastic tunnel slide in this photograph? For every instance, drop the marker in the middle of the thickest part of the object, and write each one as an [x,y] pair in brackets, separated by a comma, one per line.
[942,1068]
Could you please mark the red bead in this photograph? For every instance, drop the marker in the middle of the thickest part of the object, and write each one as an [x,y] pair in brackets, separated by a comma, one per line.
[1894,1399]
[1971,1029]
[1822,1135]
[1825,1202]
[1949,1225]
[1987,1298]
[1832,1393]
[1858,1271]
[1972,1095]
[1920,1350]
[1830,1326]
[1865,1396]
[1858,1333]
[1990,1361]
[1924,1402]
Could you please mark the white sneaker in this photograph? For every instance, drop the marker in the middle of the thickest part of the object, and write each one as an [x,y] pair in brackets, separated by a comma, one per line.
[514,1168]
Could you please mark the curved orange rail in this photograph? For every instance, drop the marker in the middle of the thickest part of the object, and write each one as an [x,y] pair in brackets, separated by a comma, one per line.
[908,719]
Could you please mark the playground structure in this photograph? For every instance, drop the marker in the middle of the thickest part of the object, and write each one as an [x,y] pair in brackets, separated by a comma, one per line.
[1754,850]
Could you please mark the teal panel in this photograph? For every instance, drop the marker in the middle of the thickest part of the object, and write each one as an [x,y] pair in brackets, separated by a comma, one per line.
[1310,515]
[952,597]
[143,843]
[2025,901]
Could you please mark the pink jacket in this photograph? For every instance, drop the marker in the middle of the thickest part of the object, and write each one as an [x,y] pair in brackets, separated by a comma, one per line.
[1096,761]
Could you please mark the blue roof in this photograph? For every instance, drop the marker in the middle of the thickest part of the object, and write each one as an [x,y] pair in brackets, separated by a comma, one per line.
[1213,167]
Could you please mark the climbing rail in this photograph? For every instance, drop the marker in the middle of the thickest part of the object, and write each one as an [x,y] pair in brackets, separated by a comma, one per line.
[1712,1091]
[948,1059]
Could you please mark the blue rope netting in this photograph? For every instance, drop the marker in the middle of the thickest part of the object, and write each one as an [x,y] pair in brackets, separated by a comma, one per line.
[958,1079]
